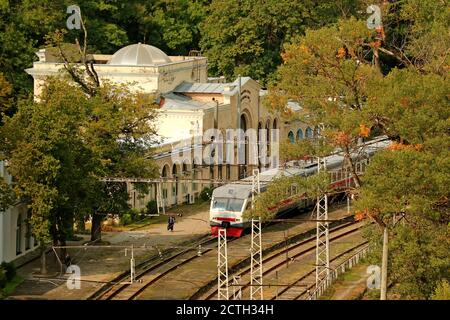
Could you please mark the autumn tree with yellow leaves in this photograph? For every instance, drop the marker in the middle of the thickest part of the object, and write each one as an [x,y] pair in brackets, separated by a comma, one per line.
[353,93]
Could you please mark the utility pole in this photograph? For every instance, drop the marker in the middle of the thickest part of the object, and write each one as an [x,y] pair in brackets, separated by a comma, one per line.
[238,124]
[384,264]
[132,265]
[322,232]
[256,280]
[239,137]
[222,265]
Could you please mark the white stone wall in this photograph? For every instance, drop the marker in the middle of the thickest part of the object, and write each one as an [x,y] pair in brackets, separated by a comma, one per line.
[13,236]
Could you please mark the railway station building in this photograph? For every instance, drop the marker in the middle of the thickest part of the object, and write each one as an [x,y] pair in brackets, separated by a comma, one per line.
[16,238]
[190,104]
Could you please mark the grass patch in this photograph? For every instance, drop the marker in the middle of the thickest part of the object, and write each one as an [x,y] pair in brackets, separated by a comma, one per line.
[11,286]
[350,276]
[327,294]
[184,210]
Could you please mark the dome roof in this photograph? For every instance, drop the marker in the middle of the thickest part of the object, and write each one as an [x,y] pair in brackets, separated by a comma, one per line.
[139,54]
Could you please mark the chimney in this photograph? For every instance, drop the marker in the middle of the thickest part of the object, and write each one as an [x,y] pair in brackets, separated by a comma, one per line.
[41,55]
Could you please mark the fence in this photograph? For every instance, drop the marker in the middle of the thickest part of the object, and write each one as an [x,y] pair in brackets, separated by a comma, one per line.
[340,269]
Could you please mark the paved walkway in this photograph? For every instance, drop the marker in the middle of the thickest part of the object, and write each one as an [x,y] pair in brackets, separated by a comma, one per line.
[351,285]
[104,263]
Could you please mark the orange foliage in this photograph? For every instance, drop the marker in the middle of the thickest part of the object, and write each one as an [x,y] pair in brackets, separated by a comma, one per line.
[404,102]
[360,215]
[342,138]
[364,131]
[396,146]
[286,56]
[341,53]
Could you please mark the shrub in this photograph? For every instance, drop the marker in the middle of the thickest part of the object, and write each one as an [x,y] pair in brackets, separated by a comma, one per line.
[3,279]
[152,207]
[125,219]
[10,270]
[442,291]
[134,213]
[206,193]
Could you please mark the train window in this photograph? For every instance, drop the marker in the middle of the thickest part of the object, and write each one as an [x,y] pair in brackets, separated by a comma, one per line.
[220,203]
[228,204]
[235,204]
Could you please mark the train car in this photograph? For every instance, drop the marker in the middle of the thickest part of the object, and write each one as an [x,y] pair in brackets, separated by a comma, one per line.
[229,201]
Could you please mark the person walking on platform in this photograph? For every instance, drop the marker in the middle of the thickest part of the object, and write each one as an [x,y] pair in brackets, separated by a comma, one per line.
[170,223]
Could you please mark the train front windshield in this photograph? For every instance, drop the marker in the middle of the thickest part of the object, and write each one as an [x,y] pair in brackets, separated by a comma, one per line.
[227,204]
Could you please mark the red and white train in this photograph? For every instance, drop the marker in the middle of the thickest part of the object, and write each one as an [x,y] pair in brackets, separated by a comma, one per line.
[229,201]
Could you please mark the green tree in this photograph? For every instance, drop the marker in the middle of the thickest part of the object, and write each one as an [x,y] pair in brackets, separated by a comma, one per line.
[330,77]
[346,78]
[60,147]
[442,291]
[246,37]
[410,181]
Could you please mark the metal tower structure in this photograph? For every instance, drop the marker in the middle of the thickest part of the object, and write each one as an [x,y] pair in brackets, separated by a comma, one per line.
[256,280]
[322,232]
[255,185]
[222,265]
[256,288]
[237,289]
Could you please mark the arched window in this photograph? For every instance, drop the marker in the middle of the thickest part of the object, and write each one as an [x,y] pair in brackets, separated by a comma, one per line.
[195,174]
[268,139]
[164,174]
[174,169]
[28,232]
[164,171]
[309,132]
[291,137]
[175,186]
[299,134]
[19,235]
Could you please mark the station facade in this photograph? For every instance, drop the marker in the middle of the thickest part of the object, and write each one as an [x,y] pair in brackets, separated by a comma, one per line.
[190,105]
[16,238]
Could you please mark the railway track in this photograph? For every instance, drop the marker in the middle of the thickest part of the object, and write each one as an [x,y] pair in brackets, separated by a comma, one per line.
[121,283]
[277,260]
[292,291]
[155,270]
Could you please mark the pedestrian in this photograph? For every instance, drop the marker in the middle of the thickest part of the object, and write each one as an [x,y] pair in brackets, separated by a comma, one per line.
[67,260]
[170,223]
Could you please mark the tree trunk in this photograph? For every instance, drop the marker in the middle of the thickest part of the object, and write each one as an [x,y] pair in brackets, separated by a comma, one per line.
[384,264]
[43,260]
[356,178]
[68,225]
[80,224]
[96,229]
